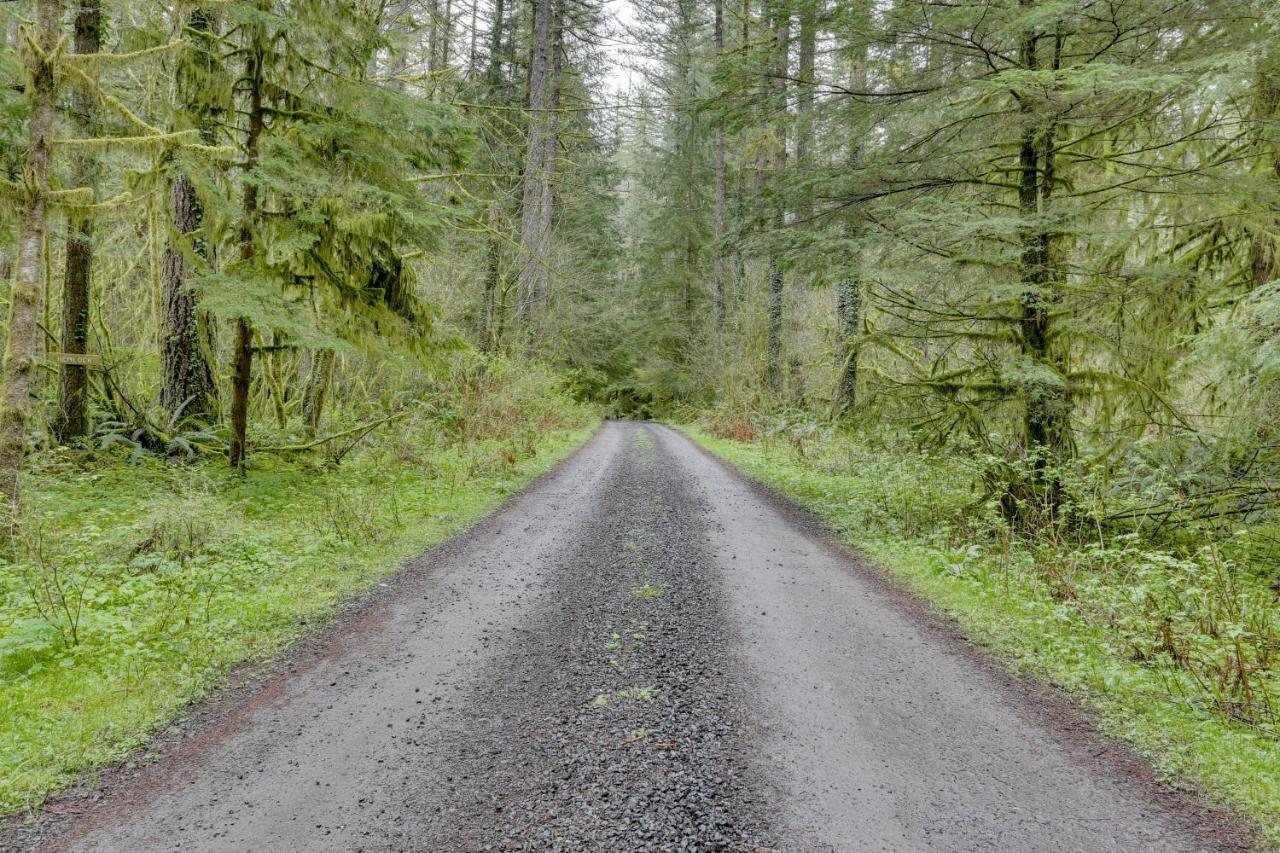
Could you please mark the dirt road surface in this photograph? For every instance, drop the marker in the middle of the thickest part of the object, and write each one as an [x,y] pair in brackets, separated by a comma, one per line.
[643,651]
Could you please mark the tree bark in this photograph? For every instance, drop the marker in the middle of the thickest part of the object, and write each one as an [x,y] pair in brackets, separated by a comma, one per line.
[242,374]
[319,380]
[537,206]
[1263,256]
[1047,403]
[472,36]
[446,35]
[188,387]
[25,303]
[492,278]
[773,354]
[721,230]
[495,45]
[71,420]
[808,39]
[848,320]
[849,288]
[433,36]
[551,156]
[780,22]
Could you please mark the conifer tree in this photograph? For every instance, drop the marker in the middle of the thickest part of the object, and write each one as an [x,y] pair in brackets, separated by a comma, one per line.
[71,420]
[22,350]
[329,195]
[537,207]
[188,387]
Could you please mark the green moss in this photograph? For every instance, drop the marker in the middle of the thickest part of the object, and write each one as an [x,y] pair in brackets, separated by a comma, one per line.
[890,509]
[173,575]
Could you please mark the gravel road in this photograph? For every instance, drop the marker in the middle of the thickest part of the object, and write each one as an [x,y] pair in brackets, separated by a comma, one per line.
[643,651]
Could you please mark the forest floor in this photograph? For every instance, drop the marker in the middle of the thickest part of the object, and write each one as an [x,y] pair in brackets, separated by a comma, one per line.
[643,651]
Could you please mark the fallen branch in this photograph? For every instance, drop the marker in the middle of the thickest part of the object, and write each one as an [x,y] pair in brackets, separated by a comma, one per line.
[362,430]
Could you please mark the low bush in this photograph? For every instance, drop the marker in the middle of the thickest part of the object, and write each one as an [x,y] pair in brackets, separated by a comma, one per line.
[1175,639]
[139,581]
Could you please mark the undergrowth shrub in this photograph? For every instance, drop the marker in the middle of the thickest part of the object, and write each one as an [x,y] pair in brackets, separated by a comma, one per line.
[358,516]
[183,521]
[486,398]
[1177,598]
[135,558]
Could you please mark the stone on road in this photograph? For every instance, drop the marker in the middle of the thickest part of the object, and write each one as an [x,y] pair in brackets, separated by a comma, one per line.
[643,651]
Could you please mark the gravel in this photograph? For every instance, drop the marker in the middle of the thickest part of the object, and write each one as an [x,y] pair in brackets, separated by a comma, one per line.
[617,720]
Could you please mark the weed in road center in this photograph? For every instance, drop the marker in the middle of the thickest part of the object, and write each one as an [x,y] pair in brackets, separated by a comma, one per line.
[649,591]
[626,694]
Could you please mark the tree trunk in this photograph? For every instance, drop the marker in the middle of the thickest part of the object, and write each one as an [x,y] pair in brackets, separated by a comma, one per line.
[1047,404]
[780,22]
[433,35]
[1264,253]
[535,224]
[242,375]
[23,348]
[492,278]
[274,370]
[848,320]
[795,381]
[319,380]
[446,35]
[188,388]
[551,156]
[773,355]
[849,289]
[808,38]
[495,45]
[722,261]
[472,36]
[71,420]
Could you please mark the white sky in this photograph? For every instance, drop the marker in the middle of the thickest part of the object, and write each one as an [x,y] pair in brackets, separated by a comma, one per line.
[618,50]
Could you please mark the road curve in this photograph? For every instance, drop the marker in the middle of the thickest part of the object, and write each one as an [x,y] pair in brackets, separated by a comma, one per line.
[643,651]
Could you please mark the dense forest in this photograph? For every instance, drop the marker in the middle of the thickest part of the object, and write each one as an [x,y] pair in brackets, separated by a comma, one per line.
[1006,272]
[1043,229]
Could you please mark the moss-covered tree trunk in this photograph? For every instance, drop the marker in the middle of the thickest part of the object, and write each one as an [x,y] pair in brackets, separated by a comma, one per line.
[848,320]
[780,22]
[773,330]
[188,388]
[319,381]
[188,384]
[849,286]
[722,261]
[72,420]
[27,293]
[492,279]
[242,350]
[1264,255]
[1047,404]
[540,146]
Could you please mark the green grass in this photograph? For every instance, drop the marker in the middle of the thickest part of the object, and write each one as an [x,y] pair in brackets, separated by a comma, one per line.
[1010,599]
[146,583]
